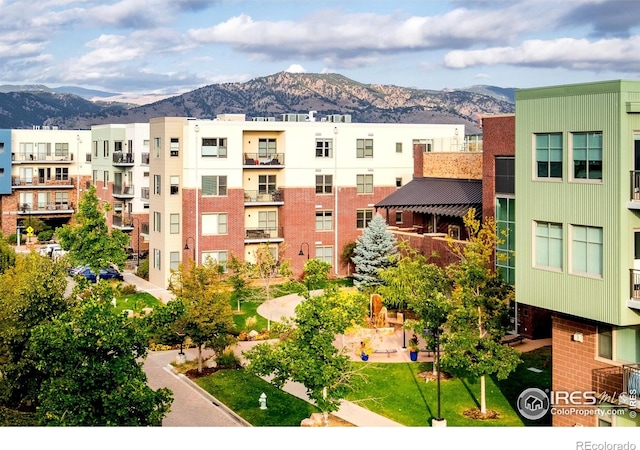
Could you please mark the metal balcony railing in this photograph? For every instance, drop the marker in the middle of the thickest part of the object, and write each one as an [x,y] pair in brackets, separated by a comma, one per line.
[263,233]
[123,190]
[256,160]
[122,221]
[262,196]
[123,158]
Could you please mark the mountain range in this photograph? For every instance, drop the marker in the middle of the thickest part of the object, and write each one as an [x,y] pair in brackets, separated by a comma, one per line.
[269,96]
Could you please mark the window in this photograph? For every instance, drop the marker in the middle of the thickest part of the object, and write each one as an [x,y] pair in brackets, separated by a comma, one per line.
[266,147]
[105,177]
[324,184]
[363,217]
[586,250]
[266,184]
[214,223]
[156,258]
[94,176]
[398,147]
[548,245]
[505,175]
[157,220]
[219,257]
[62,173]
[398,181]
[156,185]
[325,254]
[506,234]
[398,216]
[454,231]
[549,155]
[324,148]
[587,156]
[157,146]
[268,220]
[364,148]
[62,149]
[605,341]
[87,157]
[324,220]
[364,184]
[174,182]
[95,148]
[174,260]
[214,185]
[61,198]
[214,147]
[174,147]
[174,223]
[105,149]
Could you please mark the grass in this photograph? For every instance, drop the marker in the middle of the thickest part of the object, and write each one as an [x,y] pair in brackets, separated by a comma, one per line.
[240,390]
[406,399]
[136,302]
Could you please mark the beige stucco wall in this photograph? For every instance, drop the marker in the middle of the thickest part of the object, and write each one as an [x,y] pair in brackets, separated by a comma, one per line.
[466,165]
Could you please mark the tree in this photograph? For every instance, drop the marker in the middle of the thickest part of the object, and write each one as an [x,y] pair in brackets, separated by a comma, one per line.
[88,239]
[239,278]
[92,375]
[207,318]
[420,286]
[267,267]
[316,272]
[7,255]
[306,353]
[372,253]
[31,293]
[480,314]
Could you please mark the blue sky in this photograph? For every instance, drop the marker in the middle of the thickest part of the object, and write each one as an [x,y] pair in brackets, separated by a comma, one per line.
[174,46]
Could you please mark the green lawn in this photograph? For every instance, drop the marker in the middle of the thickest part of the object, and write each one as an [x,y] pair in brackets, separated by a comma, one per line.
[240,390]
[136,302]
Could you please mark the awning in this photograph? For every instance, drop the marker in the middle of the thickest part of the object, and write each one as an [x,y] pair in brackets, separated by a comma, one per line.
[440,196]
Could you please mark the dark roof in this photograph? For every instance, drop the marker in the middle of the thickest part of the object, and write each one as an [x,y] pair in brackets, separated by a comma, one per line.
[441,196]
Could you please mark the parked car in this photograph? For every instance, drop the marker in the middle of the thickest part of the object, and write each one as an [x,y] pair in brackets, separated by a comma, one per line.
[50,249]
[73,271]
[109,273]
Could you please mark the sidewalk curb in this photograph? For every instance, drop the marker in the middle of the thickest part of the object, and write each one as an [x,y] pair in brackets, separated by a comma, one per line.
[209,397]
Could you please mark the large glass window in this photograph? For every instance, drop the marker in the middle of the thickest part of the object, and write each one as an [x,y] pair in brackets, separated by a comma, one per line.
[506,230]
[214,223]
[363,217]
[364,184]
[324,220]
[174,260]
[549,155]
[548,245]
[325,254]
[174,223]
[605,341]
[587,156]
[267,147]
[214,185]
[268,220]
[505,175]
[586,250]
[324,184]
[174,147]
[324,148]
[266,184]
[214,147]
[364,148]
[218,257]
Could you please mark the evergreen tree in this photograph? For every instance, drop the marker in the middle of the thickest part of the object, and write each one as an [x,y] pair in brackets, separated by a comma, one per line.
[372,253]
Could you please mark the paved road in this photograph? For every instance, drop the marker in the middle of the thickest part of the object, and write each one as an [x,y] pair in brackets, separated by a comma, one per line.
[191,407]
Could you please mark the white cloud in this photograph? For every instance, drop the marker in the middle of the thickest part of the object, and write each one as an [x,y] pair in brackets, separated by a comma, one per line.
[296,68]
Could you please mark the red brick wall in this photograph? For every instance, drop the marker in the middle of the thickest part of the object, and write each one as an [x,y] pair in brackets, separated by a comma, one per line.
[498,139]
[574,364]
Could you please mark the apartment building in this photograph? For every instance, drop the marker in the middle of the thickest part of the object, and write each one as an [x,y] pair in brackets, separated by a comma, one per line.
[227,186]
[43,171]
[120,172]
[577,239]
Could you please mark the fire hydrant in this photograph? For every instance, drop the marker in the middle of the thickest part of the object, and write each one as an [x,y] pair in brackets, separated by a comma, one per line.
[263,401]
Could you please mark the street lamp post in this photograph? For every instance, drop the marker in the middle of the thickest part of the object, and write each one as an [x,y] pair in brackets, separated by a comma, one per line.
[186,247]
[438,421]
[301,253]
[181,335]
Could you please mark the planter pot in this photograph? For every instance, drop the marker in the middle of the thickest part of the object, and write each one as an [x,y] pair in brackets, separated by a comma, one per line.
[413,355]
[364,357]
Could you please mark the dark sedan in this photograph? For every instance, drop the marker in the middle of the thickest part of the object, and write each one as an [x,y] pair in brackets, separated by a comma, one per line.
[109,273]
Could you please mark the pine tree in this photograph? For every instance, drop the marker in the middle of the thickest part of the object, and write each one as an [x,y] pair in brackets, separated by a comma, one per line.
[372,253]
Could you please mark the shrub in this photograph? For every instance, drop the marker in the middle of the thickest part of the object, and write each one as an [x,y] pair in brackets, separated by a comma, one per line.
[228,360]
[45,235]
[12,239]
[143,269]
[129,289]
[250,322]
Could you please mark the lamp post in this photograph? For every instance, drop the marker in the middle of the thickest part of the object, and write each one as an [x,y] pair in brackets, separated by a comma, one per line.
[133,219]
[186,247]
[181,335]
[301,253]
[437,421]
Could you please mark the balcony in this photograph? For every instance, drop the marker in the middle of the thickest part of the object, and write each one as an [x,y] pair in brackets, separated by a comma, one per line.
[41,158]
[259,161]
[262,198]
[618,385]
[263,234]
[123,159]
[40,209]
[40,183]
[123,191]
[122,223]
[634,297]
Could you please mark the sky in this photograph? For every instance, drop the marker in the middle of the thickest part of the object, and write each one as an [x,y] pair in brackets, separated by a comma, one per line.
[174,46]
